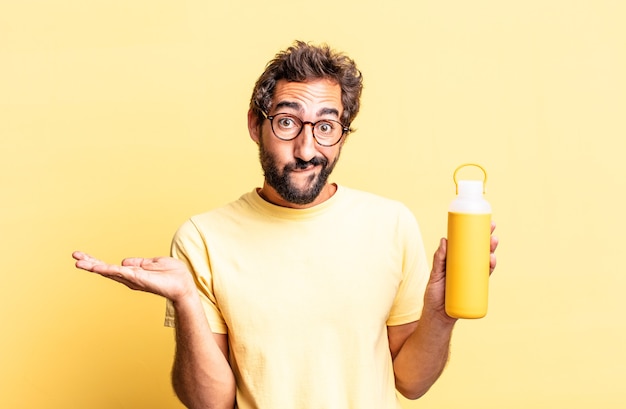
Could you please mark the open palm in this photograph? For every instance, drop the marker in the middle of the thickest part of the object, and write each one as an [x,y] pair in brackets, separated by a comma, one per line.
[165,276]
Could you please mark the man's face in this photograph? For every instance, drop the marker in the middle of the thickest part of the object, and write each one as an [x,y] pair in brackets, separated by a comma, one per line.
[296,171]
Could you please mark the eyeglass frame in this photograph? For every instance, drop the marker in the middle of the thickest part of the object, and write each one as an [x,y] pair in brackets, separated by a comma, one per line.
[344,129]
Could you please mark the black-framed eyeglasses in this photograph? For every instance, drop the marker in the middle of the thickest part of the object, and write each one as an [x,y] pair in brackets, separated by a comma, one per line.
[326,132]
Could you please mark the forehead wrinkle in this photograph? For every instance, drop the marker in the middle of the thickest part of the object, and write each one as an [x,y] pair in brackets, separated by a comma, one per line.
[298,107]
[290,104]
[322,96]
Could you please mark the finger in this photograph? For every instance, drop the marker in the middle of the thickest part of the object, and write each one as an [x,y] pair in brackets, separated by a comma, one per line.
[95,265]
[492,263]
[493,226]
[127,274]
[443,249]
[494,243]
[85,261]
[152,264]
[79,255]
[110,270]
[133,261]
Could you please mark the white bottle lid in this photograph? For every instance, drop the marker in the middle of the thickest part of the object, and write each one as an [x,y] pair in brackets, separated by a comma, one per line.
[482,182]
[470,188]
[470,194]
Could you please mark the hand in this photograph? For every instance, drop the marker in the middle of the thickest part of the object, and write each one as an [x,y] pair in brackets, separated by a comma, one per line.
[165,276]
[434,298]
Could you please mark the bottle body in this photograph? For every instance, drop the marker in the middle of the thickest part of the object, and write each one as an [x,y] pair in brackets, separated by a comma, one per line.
[468,255]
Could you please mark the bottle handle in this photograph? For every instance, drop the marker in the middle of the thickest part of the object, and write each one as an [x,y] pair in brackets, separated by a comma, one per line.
[456,183]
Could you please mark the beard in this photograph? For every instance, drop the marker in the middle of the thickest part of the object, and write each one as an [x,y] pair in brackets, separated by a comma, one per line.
[281,180]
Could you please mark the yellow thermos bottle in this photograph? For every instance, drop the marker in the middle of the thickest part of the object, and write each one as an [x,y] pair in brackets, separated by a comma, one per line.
[469,236]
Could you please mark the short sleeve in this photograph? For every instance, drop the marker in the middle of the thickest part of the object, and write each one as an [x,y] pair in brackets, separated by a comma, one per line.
[188,245]
[409,300]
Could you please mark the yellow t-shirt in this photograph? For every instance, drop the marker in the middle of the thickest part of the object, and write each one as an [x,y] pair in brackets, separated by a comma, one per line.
[306,295]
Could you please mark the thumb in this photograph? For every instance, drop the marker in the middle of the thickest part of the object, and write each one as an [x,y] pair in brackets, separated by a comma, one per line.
[439,259]
[133,261]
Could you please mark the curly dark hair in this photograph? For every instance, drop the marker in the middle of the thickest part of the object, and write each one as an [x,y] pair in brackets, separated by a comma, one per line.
[302,62]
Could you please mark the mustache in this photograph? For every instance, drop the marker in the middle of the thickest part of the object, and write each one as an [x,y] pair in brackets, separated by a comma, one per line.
[303,164]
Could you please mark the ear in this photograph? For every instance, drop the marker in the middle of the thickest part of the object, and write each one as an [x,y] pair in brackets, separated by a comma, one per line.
[254,126]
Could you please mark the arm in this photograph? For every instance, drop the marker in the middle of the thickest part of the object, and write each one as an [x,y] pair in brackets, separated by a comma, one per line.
[201,376]
[420,349]
[422,356]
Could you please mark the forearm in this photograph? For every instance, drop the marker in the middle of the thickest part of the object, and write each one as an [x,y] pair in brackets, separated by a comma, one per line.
[201,376]
[424,355]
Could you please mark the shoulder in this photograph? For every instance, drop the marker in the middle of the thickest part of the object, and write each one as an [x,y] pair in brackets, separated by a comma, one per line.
[200,224]
[376,214]
[360,199]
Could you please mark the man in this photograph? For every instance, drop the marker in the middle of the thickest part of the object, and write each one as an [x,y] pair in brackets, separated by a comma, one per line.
[302,293]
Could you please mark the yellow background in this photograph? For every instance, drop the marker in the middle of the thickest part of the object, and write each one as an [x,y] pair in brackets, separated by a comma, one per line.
[120,119]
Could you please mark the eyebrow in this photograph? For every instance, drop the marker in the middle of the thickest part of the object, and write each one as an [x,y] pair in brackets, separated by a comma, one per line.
[328,111]
[297,107]
[289,104]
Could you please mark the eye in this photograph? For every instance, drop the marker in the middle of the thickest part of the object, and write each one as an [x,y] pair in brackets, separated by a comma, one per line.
[325,128]
[287,122]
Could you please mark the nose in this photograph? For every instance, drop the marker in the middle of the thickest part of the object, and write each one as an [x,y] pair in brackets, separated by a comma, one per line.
[304,144]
